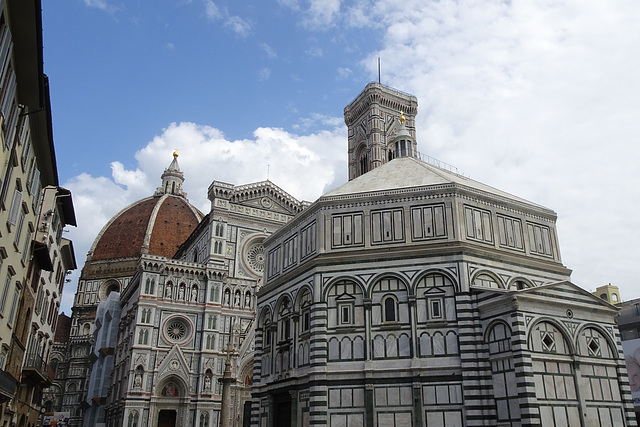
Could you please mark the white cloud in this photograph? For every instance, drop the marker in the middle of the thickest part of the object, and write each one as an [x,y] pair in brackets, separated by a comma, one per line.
[321,13]
[344,73]
[316,119]
[204,155]
[170,46]
[264,73]
[314,51]
[539,99]
[101,4]
[132,180]
[291,4]
[238,25]
[271,53]
[212,11]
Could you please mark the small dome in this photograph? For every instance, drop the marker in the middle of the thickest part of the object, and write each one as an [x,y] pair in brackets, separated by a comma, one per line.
[155,225]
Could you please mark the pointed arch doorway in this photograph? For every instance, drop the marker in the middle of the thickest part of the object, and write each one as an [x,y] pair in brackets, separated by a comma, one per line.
[167,418]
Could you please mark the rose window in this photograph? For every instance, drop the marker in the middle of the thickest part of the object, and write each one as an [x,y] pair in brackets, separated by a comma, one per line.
[176,329]
[255,258]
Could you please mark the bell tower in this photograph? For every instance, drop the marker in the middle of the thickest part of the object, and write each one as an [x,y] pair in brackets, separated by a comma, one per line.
[381,125]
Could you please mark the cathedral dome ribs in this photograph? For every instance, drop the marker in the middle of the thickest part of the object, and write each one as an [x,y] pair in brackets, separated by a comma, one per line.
[155,225]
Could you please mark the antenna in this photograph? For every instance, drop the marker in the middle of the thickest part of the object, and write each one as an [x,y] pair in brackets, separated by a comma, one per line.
[268,167]
[379,70]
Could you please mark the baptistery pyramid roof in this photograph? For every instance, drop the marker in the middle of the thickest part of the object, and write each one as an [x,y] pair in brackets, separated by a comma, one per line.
[409,172]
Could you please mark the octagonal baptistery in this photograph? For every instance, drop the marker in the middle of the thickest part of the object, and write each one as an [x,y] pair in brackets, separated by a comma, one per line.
[413,295]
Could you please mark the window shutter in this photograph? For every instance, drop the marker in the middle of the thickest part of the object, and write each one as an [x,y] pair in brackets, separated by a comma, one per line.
[35,182]
[15,207]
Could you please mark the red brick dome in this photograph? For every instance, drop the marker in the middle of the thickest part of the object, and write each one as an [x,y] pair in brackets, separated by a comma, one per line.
[155,225]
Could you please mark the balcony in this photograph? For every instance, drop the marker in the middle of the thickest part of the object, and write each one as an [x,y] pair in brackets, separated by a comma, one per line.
[8,386]
[35,370]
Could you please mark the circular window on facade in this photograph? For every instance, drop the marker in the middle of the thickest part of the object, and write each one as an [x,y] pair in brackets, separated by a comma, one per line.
[177,330]
[107,287]
[253,256]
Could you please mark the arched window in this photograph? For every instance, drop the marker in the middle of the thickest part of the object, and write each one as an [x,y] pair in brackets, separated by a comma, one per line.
[204,419]
[267,333]
[520,285]
[364,163]
[143,338]
[54,366]
[304,307]
[284,322]
[389,309]
[133,419]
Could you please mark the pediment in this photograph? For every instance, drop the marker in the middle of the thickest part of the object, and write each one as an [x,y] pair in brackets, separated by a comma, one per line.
[266,195]
[570,294]
[434,290]
[345,297]
[174,363]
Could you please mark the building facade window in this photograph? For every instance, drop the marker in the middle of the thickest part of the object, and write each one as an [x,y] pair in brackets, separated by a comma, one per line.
[14,306]
[435,306]
[5,293]
[389,309]
[345,311]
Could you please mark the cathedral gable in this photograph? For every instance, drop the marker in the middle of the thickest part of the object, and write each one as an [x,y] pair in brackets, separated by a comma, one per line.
[174,363]
[267,203]
[266,195]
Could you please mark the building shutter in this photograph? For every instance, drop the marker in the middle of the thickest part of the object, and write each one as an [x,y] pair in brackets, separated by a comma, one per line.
[15,207]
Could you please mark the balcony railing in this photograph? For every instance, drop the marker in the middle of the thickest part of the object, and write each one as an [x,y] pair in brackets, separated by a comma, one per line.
[8,386]
[35,369]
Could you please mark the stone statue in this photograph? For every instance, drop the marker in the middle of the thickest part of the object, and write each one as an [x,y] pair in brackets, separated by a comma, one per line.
[137,381]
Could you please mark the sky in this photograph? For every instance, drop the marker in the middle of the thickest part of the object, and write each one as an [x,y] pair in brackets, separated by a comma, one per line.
[540,99]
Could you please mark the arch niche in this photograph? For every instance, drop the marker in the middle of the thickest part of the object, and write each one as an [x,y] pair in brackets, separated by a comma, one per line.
[170,402]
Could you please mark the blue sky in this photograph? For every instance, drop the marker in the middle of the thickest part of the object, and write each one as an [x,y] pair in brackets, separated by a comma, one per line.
[540,99]
[130,69]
